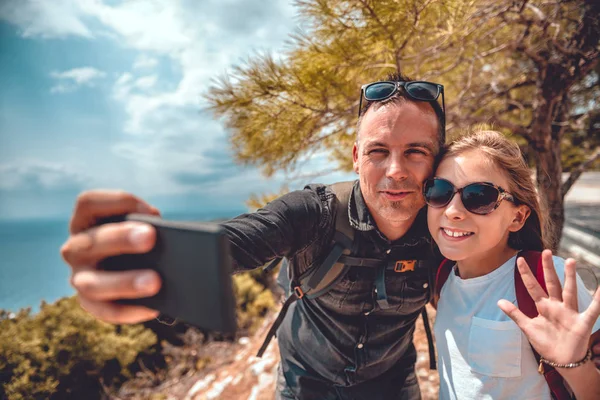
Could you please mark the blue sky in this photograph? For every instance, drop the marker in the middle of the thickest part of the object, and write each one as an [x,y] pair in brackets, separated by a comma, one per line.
[107,94]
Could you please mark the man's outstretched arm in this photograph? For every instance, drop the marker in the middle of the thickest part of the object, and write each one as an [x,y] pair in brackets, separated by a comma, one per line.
[280,228]
[283,227]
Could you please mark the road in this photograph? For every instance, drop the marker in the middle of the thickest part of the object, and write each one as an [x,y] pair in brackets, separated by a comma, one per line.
[581,233]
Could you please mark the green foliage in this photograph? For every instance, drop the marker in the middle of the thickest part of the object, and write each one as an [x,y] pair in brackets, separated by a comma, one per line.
[485,53]
[253,298]
[530,68]
[63,352]
[573,156]
[258,201]
[280,110]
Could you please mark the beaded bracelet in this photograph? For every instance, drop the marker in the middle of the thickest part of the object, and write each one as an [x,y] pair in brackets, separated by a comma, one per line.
[588,355]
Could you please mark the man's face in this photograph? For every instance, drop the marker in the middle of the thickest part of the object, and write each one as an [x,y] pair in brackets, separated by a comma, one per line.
[393,157]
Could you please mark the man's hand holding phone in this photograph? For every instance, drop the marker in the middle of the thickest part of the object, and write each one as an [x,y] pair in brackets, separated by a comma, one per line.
[119,262]
[88,244]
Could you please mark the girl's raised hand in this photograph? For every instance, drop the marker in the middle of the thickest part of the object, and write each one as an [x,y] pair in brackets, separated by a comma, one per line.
[559,333]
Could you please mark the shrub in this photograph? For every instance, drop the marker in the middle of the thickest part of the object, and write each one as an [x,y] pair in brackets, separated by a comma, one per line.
[63,352]
[253,299]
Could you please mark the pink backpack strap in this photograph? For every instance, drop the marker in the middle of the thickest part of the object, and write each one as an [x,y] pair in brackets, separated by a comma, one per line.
[527,306]
[441,276]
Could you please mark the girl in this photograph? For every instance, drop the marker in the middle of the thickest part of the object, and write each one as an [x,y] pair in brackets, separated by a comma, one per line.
[483,210]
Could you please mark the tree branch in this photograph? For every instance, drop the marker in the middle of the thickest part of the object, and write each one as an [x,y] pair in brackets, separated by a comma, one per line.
[457,62]
[485,97]
[409,36]
[379,66]
[374,15]
[514,128]
[467,85]
[494,50]
[575,174]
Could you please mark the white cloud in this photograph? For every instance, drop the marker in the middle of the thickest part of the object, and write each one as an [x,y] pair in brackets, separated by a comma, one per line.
[72,79]
[79,75]
[48,19]
[124,78]
[201,39]
[39,175]
[197,40]
[62,88]
[146,82]
[189,38]
[145,25]
[145,61]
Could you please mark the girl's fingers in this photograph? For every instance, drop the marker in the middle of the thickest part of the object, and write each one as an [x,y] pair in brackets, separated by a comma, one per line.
[533,287]
[593,311]
[570,290]
[552,283]
[514,313]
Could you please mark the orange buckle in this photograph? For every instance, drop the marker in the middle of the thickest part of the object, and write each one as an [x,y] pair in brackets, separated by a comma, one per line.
[299,292]
[405,265]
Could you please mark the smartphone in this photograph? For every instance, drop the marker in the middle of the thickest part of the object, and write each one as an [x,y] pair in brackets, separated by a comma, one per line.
[193,260]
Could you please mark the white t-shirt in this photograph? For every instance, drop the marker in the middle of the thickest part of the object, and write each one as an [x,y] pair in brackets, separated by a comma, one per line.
[482,353]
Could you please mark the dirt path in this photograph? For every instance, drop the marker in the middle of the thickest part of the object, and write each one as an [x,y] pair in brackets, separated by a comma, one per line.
[244,376]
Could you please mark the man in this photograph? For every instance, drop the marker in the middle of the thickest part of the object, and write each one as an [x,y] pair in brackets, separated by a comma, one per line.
[354,341]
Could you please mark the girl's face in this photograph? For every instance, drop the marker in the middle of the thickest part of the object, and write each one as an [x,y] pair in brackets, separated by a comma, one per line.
[483,237]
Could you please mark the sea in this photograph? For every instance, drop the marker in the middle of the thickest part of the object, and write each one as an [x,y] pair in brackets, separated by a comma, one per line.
[31,268]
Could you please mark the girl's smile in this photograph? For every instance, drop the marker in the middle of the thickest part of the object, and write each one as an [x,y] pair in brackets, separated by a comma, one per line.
[477,242]
[455,234]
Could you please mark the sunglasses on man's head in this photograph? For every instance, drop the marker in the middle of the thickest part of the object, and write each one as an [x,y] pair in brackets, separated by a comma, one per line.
[479,198]
[416,90]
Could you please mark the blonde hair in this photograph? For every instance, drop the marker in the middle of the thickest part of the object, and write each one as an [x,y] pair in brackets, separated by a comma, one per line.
[506,155]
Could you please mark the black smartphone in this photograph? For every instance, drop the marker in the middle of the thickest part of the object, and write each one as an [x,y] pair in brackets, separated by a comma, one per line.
[193,260]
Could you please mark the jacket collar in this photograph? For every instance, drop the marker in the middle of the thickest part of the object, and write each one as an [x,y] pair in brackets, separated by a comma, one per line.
[362,220]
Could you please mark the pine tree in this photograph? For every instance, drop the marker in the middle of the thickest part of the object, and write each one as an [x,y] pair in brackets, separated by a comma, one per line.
[528,68]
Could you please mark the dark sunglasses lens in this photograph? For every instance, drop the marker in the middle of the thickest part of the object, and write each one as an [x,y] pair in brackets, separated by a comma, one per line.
[438,192]
[423,91]
[479,199]
[379,91]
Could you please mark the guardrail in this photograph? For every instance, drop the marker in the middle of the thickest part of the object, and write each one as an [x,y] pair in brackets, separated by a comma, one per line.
[581,242]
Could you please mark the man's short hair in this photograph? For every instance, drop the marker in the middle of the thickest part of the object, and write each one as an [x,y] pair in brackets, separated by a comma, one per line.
[399,97]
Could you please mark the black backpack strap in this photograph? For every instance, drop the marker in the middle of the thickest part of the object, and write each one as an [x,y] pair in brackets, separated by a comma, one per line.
[362,262]
[319,280]
[272,264]
[432,272]
[322,278]
[341,243]
[273,330]
[380,291]
[342,191]
[427,326]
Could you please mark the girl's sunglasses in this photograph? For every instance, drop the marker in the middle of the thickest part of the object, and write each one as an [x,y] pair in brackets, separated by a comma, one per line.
[479,198]
[417,90]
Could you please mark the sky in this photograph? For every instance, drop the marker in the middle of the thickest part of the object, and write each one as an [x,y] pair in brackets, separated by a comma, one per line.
[108,94]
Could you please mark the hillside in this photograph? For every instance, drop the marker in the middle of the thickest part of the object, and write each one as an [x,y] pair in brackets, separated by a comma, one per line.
[235,373]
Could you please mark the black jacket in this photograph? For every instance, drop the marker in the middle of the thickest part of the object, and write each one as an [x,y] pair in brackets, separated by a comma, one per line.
[343,339]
